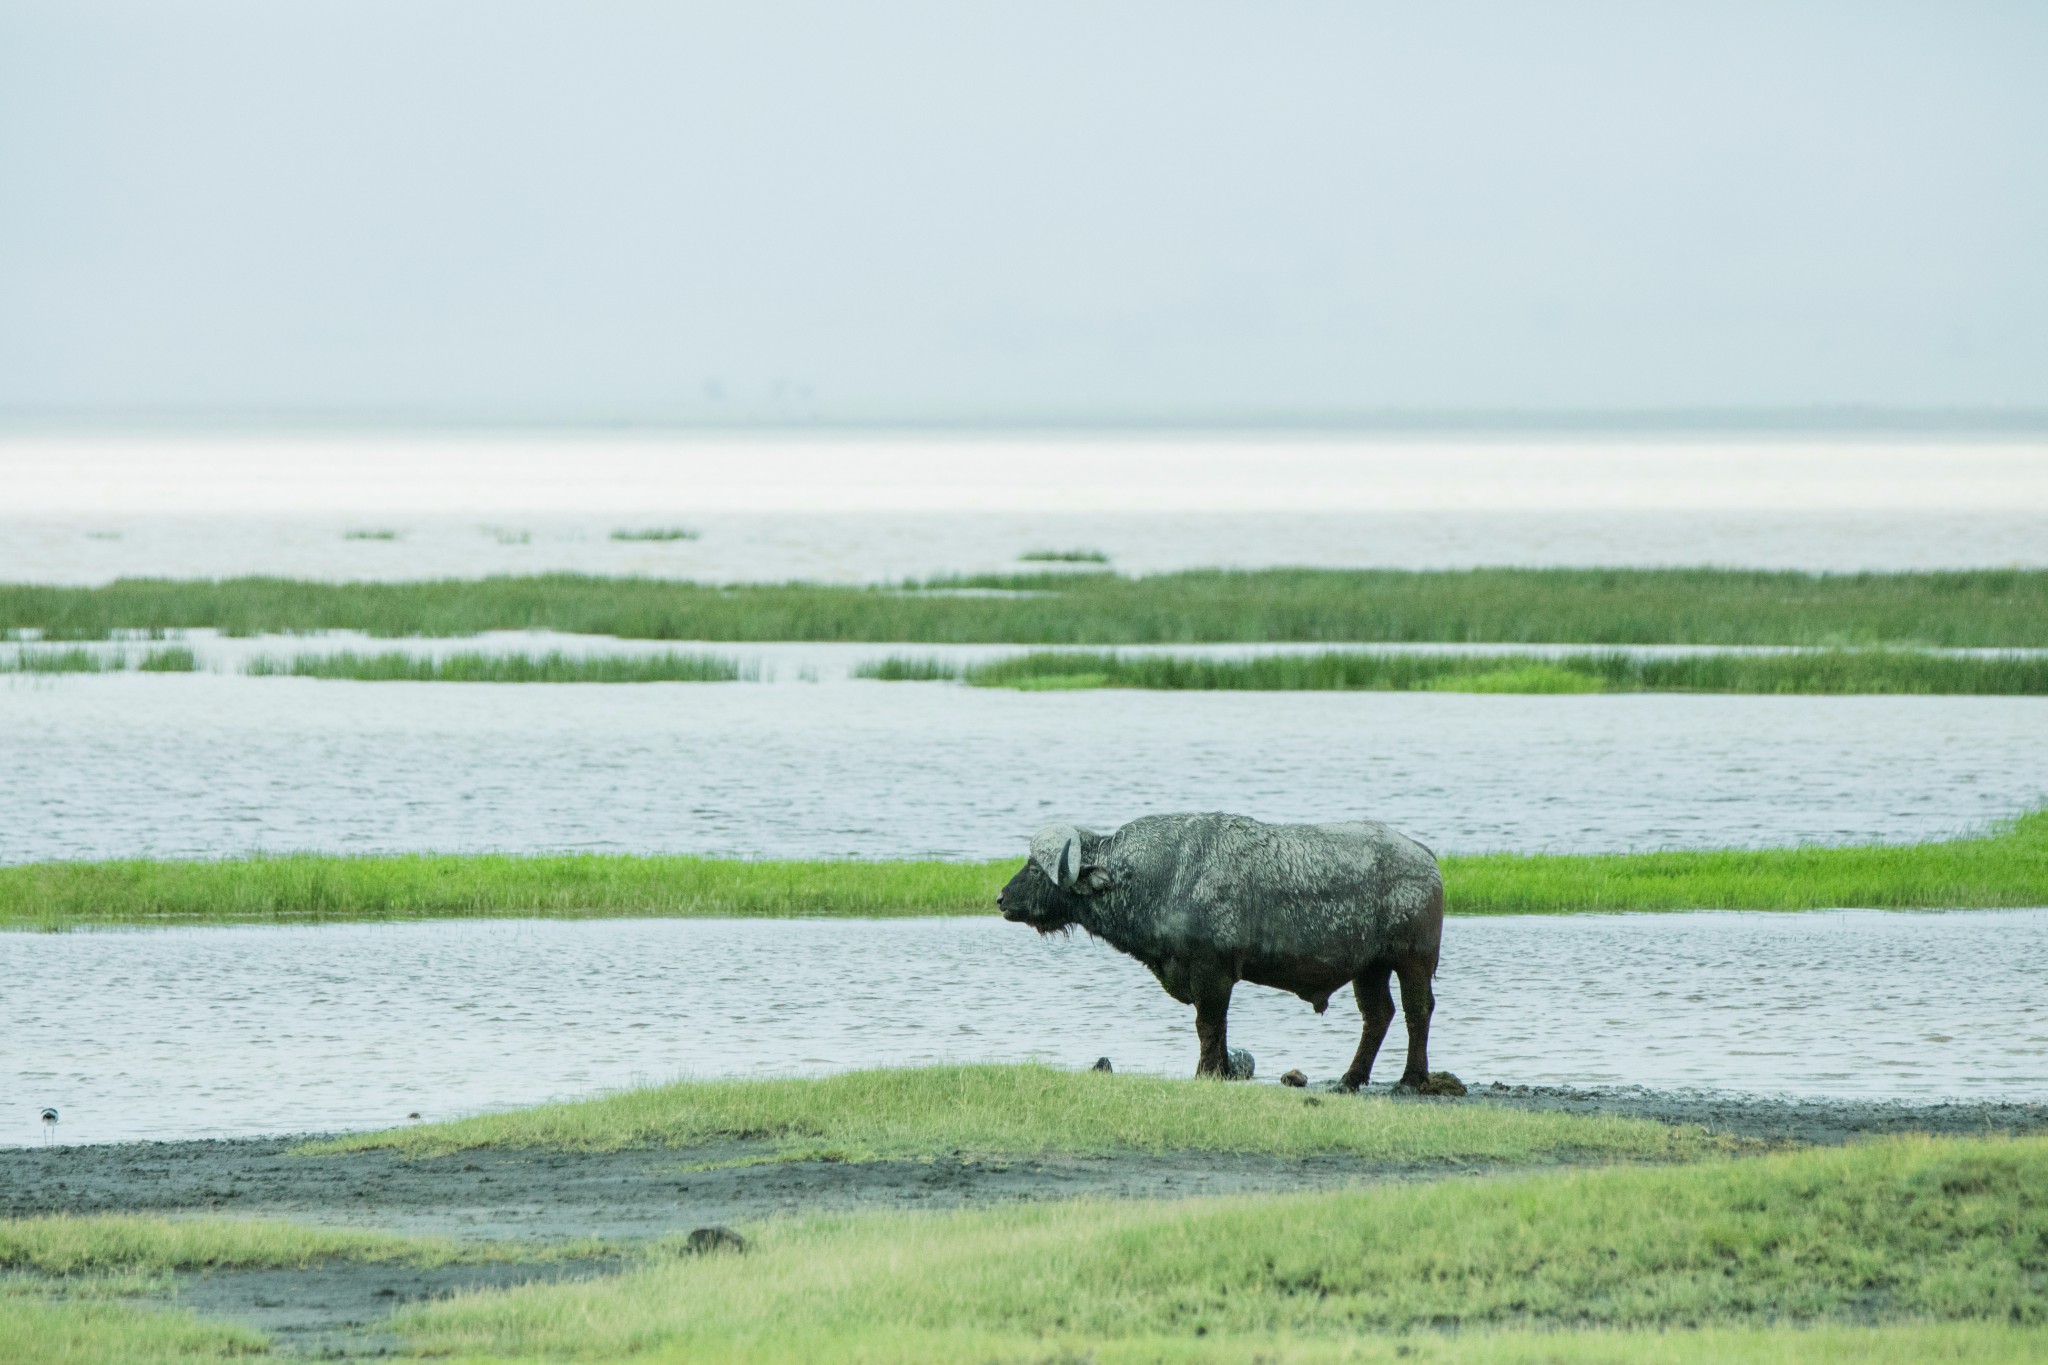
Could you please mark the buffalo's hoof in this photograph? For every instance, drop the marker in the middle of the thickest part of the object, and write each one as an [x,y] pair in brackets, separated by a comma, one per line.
[1102,1064]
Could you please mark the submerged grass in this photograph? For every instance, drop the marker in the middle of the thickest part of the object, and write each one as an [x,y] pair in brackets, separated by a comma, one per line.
[1063,557]
[2006,866]
[1997,608]
[1030,1110]
[658,533]
[1833,671]
[552,667]
[1907,1231]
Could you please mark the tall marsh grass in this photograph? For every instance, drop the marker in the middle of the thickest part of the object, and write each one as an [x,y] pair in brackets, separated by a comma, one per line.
[552,667]
[1833,671]
[2007,866]
[1993,608]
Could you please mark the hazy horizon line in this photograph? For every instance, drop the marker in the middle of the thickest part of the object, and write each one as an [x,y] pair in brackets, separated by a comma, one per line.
[1816,419]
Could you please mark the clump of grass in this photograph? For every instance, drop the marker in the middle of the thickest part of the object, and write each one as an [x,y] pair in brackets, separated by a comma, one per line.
[1996,608]
[1906,1231]
[88,1332]
[2008,866]
[105,1243]
[506,535]
[1016,1110]
[369,535]
[59,661]
[1824,672]
[901,668]
[553,667]
[657,533]
[175,659]
[1064,557]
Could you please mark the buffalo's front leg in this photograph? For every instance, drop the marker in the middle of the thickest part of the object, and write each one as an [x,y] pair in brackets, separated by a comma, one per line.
[1376,1005]
[1212,1010]
[1418,1002]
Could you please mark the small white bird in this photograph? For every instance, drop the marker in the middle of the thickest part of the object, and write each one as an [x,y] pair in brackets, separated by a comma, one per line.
[49,1123]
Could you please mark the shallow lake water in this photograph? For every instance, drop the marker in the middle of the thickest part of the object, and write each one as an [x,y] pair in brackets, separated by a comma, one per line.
[206,765]
[225,1032]
[887,507]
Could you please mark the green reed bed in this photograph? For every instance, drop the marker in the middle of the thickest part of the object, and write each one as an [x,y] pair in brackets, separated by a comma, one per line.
[1993,608]
[176,659]
[1832,671]
[2007,866]
[552,667]
[309,887]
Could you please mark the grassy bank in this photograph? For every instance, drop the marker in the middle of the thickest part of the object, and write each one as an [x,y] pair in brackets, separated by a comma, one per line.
[122,1243]
[552,667]
[1907,1231]
[2008,866]
[2000,608]
[1031,1110]
[1827,672]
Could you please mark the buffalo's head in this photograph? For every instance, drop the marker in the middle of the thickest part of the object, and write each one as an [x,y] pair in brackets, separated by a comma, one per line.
[1049,891]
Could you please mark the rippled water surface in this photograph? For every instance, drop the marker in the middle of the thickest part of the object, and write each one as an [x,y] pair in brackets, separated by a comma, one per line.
[182,1033]
[206,765]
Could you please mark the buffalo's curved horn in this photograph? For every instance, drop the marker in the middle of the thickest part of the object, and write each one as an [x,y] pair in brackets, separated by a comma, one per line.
[1057,851]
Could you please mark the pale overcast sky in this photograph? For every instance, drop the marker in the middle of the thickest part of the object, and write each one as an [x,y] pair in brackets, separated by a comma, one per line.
[614,210]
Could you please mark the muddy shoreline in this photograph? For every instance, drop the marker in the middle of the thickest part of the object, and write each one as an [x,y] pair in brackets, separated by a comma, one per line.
[545,1196]
[342,1309]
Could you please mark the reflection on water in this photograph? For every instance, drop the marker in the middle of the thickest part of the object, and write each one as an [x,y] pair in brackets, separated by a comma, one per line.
[208,765]
[183,1033]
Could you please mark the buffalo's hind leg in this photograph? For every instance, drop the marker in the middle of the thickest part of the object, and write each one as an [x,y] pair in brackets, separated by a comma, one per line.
[1377,1005]
[1212,1015]
[1418,1002]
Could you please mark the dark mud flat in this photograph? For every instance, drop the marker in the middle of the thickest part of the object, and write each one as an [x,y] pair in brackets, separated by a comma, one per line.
[547,1197]
[1822,1122]
[341,1310]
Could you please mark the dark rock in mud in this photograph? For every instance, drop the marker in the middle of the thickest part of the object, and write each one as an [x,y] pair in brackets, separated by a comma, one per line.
[703,1241]
[1240,1066]
[1102,1064]
[1441,1083]
[1295,1078]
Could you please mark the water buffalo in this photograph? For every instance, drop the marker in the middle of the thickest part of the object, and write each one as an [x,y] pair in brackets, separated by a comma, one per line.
[1207,901]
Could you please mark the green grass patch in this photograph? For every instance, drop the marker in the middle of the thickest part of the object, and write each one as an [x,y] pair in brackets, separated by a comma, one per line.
[2006,866]
[552,667]
[1910,1231]
[1027,1110]
[312,888]
[907,668]
[120,1243]
[1063,557]
[174,659]
[1998,608]
[41,1332]
[657,533]
[1826,672]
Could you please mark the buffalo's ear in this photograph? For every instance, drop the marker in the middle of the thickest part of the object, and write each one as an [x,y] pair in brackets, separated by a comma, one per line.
[1057,851]
[1094,877]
